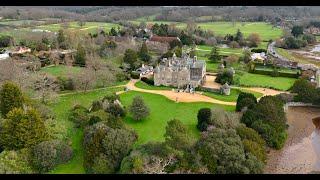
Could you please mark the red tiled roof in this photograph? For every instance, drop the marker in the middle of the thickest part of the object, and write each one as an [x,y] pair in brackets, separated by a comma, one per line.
[163,39]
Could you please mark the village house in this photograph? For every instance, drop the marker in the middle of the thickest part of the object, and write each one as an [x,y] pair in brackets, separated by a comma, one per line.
[182,72]
[163,39]
[259,56]
[19,50]
[144,70]
[4,55]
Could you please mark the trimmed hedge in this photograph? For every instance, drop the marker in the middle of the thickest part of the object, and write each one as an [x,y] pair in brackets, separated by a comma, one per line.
[135,75]
[278,74]
[148,81]
[259,50]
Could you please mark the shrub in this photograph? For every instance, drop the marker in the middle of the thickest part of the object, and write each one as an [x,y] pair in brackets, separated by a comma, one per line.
[6,41]
[138,109]
[116,110]
[79,115]
[245,100]
[255,149]
[274,138]
[258,50]
[225,76]
[135,75]
[66,83]
[15,162]
[111,97]
[204,116]
[10,97]
[49,154]
[250,134]
[96,106]
[22,129]
[103,141]
[98,116]
[148,81]
[249,117]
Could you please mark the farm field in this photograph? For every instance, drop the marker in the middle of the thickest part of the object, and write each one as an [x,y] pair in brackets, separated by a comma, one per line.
[87,27]
[162,110]
[266,31]
[60,109]
[234,93]
[258,80]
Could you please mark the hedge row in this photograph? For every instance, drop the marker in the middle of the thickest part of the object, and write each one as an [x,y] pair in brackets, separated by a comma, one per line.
[276,74]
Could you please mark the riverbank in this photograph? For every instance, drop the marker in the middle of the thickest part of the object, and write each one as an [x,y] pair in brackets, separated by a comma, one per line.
[297,156]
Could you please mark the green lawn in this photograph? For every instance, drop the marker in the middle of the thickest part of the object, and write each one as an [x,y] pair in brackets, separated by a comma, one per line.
[143,85]
[258,80]
[60,70]
[61,109]
[234,93]
[162,110]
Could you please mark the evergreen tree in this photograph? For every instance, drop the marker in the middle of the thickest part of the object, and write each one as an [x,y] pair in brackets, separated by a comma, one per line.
[62,40]
[130,57]
[138,109]
[214,54]
[10,97]
[22,129]
[239,36]
[144,54]
[80,58]
[113,32]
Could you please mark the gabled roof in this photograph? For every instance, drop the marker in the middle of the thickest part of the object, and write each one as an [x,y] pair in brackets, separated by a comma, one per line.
[163,39]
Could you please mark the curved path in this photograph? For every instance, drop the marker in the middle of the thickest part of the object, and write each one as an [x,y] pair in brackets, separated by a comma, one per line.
[181,96]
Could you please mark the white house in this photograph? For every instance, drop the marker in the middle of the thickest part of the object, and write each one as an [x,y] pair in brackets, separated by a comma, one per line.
[259,56]
[4,56]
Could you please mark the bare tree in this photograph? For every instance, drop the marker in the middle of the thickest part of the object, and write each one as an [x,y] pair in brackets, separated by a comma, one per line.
[85,79]
[158,164]
[45,86]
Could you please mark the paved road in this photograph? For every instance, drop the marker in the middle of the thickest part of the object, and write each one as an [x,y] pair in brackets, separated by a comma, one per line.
[273,52]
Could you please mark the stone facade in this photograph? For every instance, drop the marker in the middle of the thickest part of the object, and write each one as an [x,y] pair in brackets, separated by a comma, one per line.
[183,72]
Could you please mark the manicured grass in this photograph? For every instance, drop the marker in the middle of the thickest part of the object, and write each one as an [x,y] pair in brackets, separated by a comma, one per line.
[143,85]
[60,70]
[258,80]
[223,51]
[234,93]
[61,109]
[163,110]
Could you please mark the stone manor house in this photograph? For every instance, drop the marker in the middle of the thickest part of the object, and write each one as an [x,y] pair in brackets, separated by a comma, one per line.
[182,72]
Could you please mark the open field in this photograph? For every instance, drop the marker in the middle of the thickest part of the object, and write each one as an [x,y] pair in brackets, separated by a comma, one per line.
[61,109]
[87,27]
[258,80]
[60,70]
[234,93]
[266,31]
[162,110]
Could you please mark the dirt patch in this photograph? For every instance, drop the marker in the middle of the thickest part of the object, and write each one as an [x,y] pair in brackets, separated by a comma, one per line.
[297,156]
[181,96]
